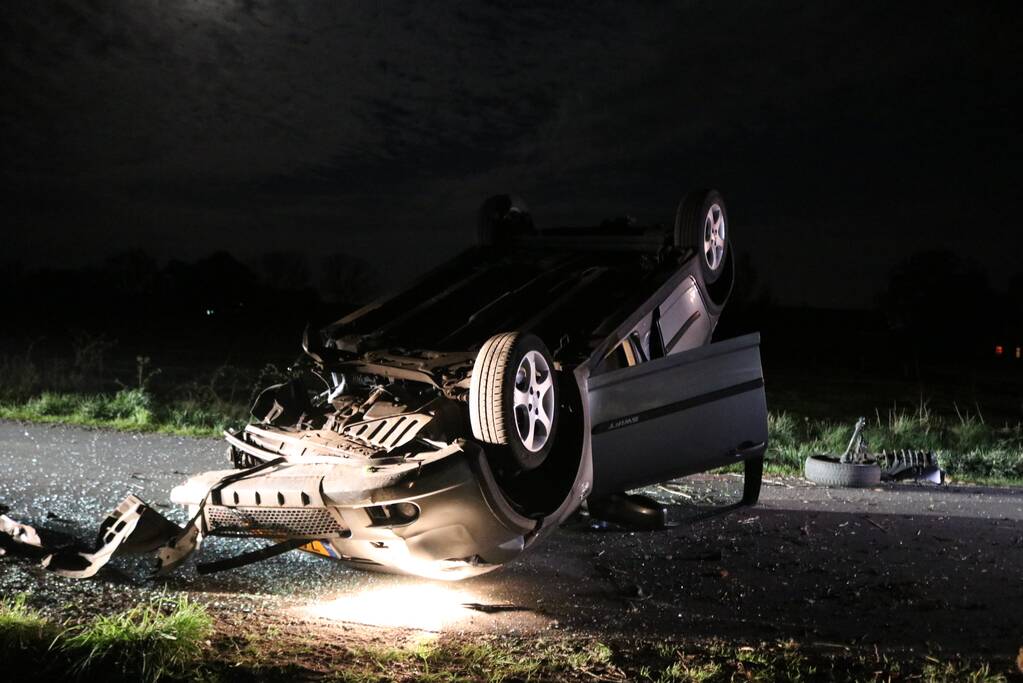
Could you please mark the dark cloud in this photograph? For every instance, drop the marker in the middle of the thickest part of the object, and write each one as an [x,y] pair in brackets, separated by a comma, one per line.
[846,134]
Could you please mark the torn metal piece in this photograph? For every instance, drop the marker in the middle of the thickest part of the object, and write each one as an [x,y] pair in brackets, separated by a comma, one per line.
[19,533]
[494,609]
[859,466]
[251,557]
[857,451]
[20,540]
[178,549]
[132,528]
[150,529]
[907,464]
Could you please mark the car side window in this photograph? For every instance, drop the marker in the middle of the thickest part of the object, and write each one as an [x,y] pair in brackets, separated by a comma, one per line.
[633,342]
[626,354]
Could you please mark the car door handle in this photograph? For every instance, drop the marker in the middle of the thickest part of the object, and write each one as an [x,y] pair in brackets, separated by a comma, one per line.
[747,448]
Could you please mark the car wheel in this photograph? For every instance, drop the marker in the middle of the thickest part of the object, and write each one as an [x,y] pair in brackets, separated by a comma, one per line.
[513,397]
[829,471]
[701,224]
[500,217]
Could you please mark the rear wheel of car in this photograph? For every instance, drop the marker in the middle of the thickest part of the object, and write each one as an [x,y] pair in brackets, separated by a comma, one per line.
[502,216]
[701,224]
[829,471]
[513,397]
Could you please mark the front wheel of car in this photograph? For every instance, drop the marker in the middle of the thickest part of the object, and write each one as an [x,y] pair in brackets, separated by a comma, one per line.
[701,224]
[513,397]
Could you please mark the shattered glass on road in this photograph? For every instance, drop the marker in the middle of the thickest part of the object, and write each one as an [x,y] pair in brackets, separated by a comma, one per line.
[810,563]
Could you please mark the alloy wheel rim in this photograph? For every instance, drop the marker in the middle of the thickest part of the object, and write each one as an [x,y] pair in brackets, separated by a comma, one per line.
[714,237]
[534,401]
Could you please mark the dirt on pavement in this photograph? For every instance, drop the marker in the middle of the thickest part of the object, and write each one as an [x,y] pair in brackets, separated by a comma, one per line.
[927,568]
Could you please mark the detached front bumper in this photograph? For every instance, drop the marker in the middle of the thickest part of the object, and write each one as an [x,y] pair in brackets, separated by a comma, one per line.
[440,517]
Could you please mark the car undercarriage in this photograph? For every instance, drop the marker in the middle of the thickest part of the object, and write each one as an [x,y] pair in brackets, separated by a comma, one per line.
[445,429]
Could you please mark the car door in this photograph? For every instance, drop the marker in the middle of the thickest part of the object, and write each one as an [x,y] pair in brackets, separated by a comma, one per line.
[676,415]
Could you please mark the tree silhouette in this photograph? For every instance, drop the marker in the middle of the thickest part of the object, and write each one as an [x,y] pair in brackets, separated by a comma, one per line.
[284,270]
[938,302]
[346,279]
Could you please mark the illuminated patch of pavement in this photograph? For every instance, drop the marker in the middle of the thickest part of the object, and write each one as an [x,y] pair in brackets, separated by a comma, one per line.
[897,565]
[67,479]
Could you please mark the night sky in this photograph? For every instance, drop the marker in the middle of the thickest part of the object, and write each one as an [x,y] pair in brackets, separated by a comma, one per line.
[845,135]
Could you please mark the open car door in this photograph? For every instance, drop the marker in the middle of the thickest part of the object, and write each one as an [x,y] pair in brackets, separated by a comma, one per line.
[680,414]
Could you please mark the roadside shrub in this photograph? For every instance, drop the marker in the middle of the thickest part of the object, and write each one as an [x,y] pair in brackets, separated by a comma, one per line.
[971,433]
[91,408]
[783,430]
[199,418]
[156,639]
[23,628]
[133,405]
[834,438]
[995,463]
[901,429]
[51,404]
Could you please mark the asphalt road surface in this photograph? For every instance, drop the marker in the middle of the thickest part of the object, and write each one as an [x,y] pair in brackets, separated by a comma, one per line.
[907,566]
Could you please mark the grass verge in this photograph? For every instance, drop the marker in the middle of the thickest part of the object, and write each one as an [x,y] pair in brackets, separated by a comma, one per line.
[175,639]
[500,659]
[128,409]
[23,629]
[159,639]
[164,638]
[970,449]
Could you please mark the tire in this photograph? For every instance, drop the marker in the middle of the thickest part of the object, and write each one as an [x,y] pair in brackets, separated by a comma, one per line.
[502,216]
[719,291]
[507,406]
[828,471]
[701,224]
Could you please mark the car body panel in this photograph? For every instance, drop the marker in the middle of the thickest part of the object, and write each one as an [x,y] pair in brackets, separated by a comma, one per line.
[630,334]
[673,416]
[378,466]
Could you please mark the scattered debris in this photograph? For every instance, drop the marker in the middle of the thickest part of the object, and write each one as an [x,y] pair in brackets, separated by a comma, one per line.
[492,609]
[133,528]
[57,518]
[909,464]
[18,539]
[879,526]
[858,467]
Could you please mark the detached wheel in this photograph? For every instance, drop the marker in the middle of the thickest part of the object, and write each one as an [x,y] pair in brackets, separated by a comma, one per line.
[701,224]
[500,217]
[828,471]
[513,397]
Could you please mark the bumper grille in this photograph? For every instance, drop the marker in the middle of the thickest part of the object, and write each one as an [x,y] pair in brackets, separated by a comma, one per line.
[388,432]
[315,523]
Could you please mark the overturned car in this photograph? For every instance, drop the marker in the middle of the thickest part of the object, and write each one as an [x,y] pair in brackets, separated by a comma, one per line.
[449,427]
